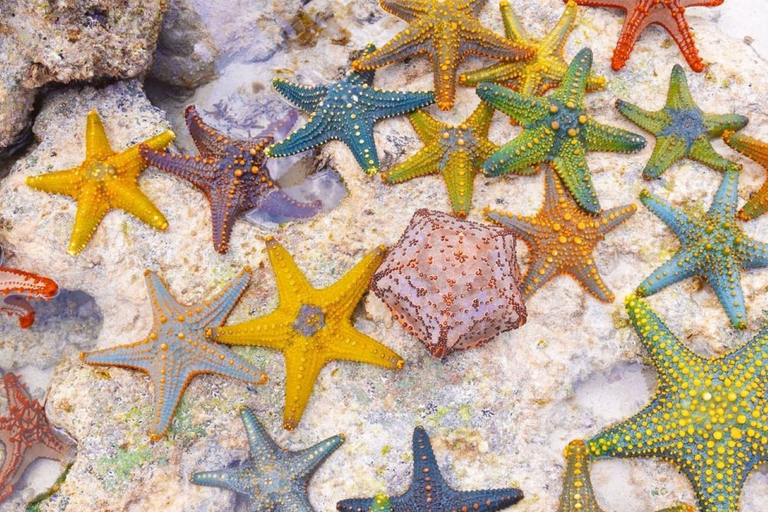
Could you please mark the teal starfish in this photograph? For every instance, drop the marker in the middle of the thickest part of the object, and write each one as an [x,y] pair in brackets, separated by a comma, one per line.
[713,246]
[682,130]
[176,349]
[273,479]
[558,130]
[708,417]
[345,111]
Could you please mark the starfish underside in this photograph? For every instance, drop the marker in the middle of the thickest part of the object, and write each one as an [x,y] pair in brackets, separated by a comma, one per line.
[669,14]
[104,181]
[557,130]
[708,416]
[311,327]
[758,151]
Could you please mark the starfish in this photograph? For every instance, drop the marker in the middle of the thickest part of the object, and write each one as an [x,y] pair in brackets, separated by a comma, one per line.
[707,417]
[562,239]
[345,111]
[430,493]
[105,180]
[311,327]
[26,435]
[713,246]
[669,14]
[176,349]
[446,31]
[456,152]
[17,286]
[273,479]
[758,151]
[381,504]
[558,130]
[682,130]
[543,71]
[452,283]
[232,175]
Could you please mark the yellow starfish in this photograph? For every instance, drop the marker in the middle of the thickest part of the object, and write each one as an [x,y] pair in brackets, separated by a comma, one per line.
[105,180]
[311,327]
[544,70]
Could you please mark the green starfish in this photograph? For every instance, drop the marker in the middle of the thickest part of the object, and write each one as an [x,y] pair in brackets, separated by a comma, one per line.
[713,246]
[558,130]
[682,130]
[381,504]
[454,151]
[542,71]
[708,417]
[345,111]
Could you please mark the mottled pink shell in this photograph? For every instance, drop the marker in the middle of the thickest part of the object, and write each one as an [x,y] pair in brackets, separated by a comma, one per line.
[452,283]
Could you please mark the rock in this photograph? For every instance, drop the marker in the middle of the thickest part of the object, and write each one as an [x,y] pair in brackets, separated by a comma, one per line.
[62,42]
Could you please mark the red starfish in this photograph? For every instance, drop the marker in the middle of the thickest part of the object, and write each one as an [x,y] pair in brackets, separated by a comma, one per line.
[670,14]
[16,286]
[26,435]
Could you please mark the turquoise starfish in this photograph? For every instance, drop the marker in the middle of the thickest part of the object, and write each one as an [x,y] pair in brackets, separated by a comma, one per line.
[176,349]
[713,246]
[273,479]
[558,130]
[708,417]
[682,130]
[345,111]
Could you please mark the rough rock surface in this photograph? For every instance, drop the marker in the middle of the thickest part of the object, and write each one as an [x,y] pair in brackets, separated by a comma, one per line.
[80,40]
[498,416]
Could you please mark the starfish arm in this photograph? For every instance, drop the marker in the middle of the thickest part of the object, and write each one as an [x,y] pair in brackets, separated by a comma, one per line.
[756,206]
[459,172]
[302,367]
[445,63]
[271,331]
[703,152]
[527,149]
[408,10]
[290,280]
[13,466]
[363,146]
[701,3]
[424,459]
[425,161]
[681,33]
[571,166]
[307,99]
[91,209]
[356,505]
[164,305]
[681,266]
[679,94]
[15,305]
[192,169]
[209,141]
[136,356]
[427,127]
[486,148]
[130,164]
[395,103]
[600,137]
[480,41]
[217,309]
[726,283]
[131,199]
[66,182]
[305,462]
[717,125]
[409,42]
[523,109]
[727,196]
[349,344]
[96,143]
[480,120]
[491,500]
[502,73]
[611,219]
[279,203]
[757,151]
[589,277]
[315,133]
[27,284]
[524,227]
[348,290]
[513,29]
[539,273]
[669,149]
[615,4]
[556,38]
[574,83]
[263,447]
[16,393]
[674,217]
[753,254]
[635,23]
[225,479]
[650,121]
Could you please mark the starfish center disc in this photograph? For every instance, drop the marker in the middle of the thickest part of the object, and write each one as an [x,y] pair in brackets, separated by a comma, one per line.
[309,320]
[100,171]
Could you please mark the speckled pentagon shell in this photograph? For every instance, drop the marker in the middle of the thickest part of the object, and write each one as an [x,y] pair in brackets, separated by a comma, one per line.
[453,284]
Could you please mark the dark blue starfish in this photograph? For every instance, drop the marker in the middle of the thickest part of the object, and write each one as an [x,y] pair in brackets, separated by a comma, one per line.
[713,246]
[273,479]
[430,493]
[232,175]
[176,349]
[345,111]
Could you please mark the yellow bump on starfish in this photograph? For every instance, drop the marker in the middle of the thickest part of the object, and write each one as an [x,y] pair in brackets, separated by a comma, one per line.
[311,327]
[105,180]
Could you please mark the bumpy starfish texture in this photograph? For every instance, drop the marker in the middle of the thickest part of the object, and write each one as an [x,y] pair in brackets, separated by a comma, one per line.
[669,14]
[26,435]
[429,492]
[273,479]
[456,152]
[542,71]
[311,327]
[345,111]
[712,246]
[232,175]
[452,283]
[562,239]
[557,130]
[17,286]
[381,504]
[758,151]
[446,31]
[176,349]
[104,181]
[682,130]
[708,416]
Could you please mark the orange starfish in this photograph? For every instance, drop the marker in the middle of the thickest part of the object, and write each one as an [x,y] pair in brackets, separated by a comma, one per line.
[756,150]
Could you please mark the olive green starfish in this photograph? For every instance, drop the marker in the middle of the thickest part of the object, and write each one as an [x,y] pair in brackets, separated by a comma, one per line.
[708,417]
[454,151]
[682,130]
[558,130]
[541,72]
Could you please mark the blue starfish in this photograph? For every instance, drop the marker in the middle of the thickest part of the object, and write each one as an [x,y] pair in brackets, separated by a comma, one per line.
[273,479]
[713,246]
[430,493]
[345,111]
[176,349]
